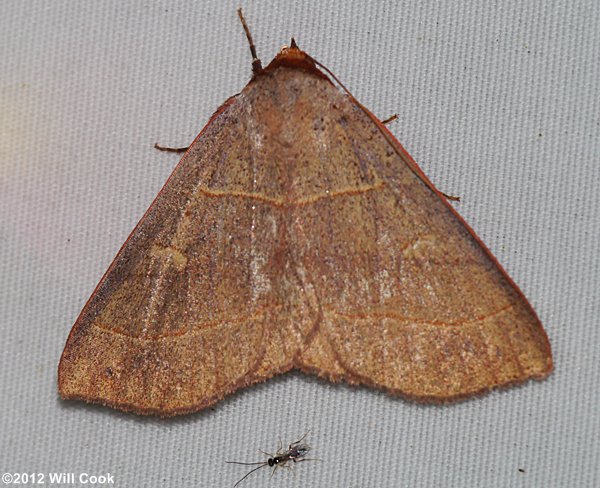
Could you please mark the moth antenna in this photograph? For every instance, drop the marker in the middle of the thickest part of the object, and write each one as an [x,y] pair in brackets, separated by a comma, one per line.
[256,63]
[408,160]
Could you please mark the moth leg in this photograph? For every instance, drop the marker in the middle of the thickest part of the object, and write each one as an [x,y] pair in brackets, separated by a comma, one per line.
[450,197]
[171,149]
[391,118]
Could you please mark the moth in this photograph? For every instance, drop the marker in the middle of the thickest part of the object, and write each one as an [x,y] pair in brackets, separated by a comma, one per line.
[297,233]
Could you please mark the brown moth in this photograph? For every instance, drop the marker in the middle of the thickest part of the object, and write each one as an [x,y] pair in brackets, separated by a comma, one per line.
[296,232]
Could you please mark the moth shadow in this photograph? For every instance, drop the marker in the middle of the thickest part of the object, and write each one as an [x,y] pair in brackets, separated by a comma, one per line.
[294,375]
[107,411]
[487,394]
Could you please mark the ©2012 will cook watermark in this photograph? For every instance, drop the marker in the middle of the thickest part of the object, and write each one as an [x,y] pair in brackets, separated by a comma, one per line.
[58,479]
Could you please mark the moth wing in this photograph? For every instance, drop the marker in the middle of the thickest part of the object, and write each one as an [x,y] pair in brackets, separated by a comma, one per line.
[409,299]
[178,320]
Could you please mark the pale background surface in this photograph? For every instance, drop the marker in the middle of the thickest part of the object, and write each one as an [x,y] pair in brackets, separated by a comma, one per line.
[498,104]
